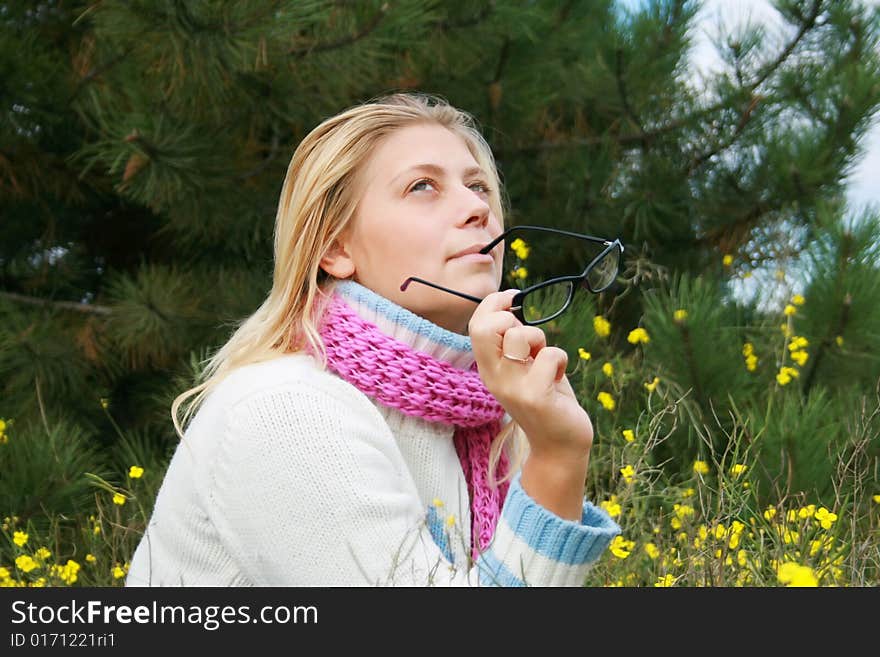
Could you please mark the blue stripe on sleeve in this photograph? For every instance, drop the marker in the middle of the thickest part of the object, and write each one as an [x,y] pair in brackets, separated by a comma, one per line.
[494,573]
[564,541]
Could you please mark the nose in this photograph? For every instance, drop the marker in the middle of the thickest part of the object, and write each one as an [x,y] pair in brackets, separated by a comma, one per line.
[475,210]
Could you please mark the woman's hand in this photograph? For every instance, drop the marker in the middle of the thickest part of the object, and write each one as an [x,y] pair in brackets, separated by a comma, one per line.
[536,394]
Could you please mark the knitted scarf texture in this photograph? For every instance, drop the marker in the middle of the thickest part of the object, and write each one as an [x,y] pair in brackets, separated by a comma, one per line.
[417,384]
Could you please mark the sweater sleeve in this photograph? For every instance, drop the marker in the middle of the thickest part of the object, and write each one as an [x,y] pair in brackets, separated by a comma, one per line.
[307,487]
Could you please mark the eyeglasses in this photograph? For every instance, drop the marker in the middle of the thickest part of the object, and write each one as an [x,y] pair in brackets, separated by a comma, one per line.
[544,301]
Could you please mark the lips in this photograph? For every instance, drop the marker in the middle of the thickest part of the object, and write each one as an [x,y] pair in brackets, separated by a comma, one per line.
[473,248]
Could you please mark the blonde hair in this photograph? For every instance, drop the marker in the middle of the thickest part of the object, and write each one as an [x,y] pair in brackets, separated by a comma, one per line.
[318,202]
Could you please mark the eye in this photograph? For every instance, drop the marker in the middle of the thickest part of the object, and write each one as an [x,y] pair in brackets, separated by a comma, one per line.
[480,187]
[419,183]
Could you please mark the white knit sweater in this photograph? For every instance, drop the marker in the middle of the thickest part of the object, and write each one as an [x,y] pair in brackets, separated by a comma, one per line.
[290,476]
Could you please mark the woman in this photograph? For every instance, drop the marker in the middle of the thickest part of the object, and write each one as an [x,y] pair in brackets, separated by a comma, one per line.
[352,433]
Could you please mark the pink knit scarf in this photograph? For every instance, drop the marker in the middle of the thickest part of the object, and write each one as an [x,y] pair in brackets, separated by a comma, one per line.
[415,383]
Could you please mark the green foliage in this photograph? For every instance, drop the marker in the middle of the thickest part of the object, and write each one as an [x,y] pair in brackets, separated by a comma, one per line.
[44,470]
[143,148]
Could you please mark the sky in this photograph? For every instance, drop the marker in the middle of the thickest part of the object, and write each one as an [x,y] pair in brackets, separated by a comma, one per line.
[863,182]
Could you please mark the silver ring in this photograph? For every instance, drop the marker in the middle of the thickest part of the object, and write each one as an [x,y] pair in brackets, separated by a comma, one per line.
[518,360]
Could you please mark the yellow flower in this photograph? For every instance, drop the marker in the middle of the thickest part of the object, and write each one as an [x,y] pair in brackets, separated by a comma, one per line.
[651,385]
[876,499]
[799,357]
[450,520]
[651,550]
[20,538]
[608,369]
[135,472]
[786,374]
[119,498]
[825,517]
[738,469]
[628,435]
[118,571]
[665,580]
[792,574]
[628,473]
[105,403]
[638,335]
[701,467]
[786,329]
[437,502]
[798,300]
[727,260]
[742,558]
[751,362]
[520,248]
[583,353]
[798,342]
[680,315]
[520,273]
[789,310]
[606,400]
[839,340]
[4,573]
[96,529]
[25,563]
[42,554]
[68,572]
[611,506]
[688,492]
[601,326]
[682,511]
[807,511]
[90,558]
[621,547]
[748,349]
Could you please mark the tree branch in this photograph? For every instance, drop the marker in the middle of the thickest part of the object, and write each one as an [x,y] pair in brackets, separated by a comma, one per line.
[61,305]
[806,26]
[345,41]
[621,90]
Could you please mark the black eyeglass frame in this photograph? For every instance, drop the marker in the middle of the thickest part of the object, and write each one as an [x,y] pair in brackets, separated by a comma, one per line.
[517,303]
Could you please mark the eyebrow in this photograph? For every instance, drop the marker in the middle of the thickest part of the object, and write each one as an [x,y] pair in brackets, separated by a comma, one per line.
[438,170]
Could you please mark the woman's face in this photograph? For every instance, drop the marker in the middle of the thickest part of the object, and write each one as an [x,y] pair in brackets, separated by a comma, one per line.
[424,200]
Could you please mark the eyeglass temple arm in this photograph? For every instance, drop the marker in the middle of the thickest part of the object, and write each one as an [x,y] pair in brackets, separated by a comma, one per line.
[438,287]
[545,229]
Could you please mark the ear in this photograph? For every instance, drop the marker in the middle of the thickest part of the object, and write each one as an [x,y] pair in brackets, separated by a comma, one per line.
[338,261]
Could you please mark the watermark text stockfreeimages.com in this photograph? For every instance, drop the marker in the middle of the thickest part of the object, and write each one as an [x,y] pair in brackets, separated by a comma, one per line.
[210,617]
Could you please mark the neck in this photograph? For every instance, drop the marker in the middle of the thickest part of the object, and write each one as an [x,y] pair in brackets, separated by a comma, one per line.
[415,331]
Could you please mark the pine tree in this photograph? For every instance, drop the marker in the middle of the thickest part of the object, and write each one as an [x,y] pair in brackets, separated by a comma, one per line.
[143,145]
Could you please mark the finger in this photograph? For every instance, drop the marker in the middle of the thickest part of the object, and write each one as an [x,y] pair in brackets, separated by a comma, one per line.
[487,322]
[550,364]
[493,327]
[496,301]
[523,341]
